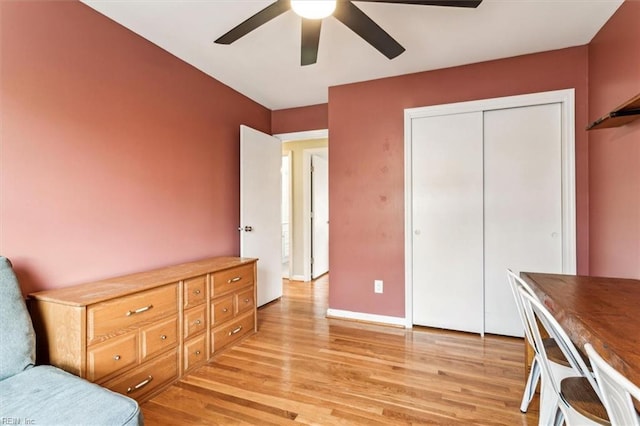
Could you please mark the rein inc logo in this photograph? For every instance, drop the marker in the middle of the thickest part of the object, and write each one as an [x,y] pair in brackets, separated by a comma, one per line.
[16,421]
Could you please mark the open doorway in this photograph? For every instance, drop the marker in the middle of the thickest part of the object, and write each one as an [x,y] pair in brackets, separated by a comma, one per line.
[299,150]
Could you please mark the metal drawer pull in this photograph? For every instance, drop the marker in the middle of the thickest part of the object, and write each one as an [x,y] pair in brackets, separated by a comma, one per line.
[234,280]
[117,357]
[197,352]
[225,310]
[237,330]
[142,384]
[163,337]
[198,322]
[139,310]
[196,291]
[246,300]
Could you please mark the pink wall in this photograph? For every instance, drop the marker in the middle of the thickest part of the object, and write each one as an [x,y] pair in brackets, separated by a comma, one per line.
[290,120]
[116,156]
[614,154]
[366,158]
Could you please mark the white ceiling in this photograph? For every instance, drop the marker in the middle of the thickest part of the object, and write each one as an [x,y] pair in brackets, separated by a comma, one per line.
[265,64]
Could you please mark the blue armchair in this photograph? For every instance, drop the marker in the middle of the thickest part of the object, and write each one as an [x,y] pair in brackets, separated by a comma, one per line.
[46,395]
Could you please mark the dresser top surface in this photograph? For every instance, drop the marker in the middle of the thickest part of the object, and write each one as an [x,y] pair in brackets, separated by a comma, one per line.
[99,291]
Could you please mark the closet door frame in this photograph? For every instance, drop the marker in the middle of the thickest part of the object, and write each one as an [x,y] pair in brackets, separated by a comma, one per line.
[566,99]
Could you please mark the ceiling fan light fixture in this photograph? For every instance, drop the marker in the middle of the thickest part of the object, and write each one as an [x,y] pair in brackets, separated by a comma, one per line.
[313,9]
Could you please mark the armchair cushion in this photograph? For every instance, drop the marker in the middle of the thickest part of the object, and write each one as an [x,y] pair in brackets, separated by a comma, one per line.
[17,338]
[46,395]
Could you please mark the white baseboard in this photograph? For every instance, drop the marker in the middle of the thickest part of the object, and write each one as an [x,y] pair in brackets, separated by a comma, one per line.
[297,278]
[360,316]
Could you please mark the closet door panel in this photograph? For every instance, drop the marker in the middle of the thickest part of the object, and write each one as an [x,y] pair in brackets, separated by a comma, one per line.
[447,222]
[522,204]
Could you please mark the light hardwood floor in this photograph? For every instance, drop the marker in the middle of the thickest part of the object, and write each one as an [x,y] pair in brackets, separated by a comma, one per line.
[304,368]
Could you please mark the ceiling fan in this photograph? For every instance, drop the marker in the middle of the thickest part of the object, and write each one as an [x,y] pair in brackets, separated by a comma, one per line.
[313,11]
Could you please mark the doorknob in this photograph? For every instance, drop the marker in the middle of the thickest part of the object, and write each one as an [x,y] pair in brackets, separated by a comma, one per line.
[246,228]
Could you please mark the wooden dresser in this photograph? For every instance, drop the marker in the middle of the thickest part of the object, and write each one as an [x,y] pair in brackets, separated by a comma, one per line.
[137,333]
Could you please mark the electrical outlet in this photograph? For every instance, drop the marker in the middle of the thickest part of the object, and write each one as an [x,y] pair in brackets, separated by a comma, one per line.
[377,286]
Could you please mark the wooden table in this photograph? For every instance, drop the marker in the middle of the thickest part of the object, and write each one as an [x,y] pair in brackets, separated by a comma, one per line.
[597,310]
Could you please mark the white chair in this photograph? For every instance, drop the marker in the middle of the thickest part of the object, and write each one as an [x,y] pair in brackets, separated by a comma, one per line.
[548,397]
[578,399]
[616,391]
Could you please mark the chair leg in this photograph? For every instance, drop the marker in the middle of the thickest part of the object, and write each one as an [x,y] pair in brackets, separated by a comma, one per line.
[530,387]
[549,401]
[558,418]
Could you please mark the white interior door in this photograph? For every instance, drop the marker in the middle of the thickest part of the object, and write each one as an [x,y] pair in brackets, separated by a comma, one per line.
[523,204]
[319,216]
[260,209]
[447,221]
[286,215]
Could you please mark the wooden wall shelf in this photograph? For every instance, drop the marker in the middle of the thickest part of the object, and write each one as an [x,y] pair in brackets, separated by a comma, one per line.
[625,113]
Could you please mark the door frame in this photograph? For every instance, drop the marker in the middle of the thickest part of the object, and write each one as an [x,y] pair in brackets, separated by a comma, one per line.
[566,99]
[289,156]
[306,199]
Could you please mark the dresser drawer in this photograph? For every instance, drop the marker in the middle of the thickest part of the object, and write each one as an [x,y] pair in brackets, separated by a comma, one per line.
[194,291]
[144,379]
[231,279]
[111,356]
[244,300]
[222,310]
[228,334]
[195,352]
[138,333]
[195,321]
[159,337]
[117,316]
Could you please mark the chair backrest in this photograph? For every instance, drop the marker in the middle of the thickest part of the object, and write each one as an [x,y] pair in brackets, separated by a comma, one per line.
[515,282]
[536,311]
[17,339]
[616,391]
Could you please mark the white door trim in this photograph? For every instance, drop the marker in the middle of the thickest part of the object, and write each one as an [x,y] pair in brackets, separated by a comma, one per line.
[567,100]
[301,136]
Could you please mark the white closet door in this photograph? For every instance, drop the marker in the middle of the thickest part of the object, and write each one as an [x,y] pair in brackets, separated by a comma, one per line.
[523,204]
[447,221]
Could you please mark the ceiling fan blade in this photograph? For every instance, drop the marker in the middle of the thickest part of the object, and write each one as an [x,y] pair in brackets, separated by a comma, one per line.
[265,15]
[361,24]
[448,3]
[310,41]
